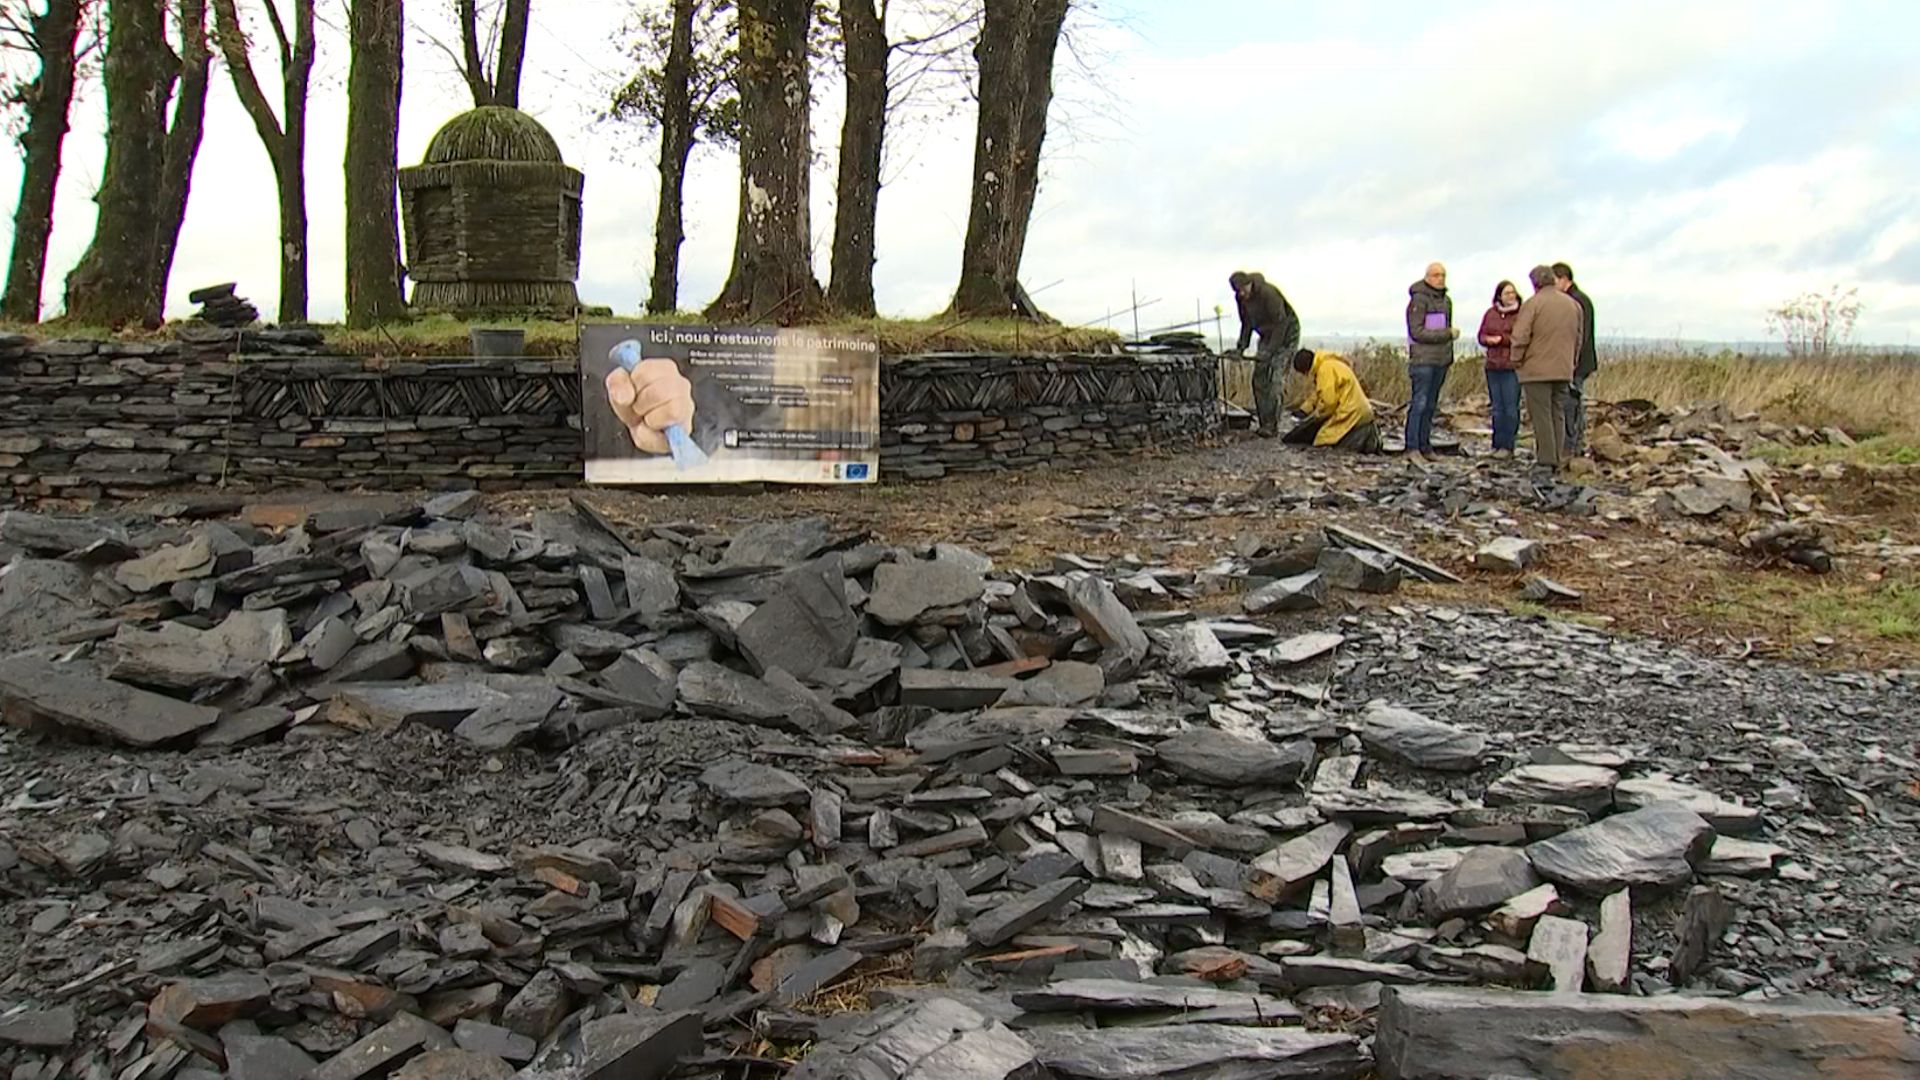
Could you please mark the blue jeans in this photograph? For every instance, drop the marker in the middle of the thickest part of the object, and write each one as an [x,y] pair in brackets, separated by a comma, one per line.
[1503,391]
[1423,403]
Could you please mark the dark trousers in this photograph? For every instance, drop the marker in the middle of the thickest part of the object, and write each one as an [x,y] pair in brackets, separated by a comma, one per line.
[1362,439]
[1269,366]
[1423,403]
[1503,392]
[1547,408]
[1576,439]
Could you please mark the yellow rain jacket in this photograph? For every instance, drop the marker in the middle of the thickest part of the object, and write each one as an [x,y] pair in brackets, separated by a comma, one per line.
[1336,398]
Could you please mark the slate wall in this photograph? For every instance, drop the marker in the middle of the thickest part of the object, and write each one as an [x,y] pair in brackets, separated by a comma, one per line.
[91,419]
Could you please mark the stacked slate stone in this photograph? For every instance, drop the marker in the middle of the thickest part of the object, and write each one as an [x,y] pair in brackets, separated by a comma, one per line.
[473,794]
[220,307]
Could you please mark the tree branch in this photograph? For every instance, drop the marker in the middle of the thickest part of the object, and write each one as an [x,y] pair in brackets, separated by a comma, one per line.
[233,49]
[469,15]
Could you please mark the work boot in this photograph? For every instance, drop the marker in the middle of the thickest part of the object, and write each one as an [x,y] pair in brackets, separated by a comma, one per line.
[1267,433]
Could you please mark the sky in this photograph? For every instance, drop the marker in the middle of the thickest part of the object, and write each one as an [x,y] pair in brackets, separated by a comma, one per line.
[1697,162]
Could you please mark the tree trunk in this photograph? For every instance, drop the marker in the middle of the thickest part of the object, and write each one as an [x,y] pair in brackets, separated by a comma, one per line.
[113,281]
[988,270]
[286,143]
[472,68]
[293,241]
[772,278]
[183,148]
[374,293]
[676,144]
[513,53]
[49,100]
[862,135]
[1043,41]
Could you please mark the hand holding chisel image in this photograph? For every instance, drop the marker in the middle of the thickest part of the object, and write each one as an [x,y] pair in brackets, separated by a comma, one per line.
[655,403]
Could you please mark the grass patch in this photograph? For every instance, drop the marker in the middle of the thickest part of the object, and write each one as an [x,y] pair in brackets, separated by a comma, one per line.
[1876,450]
[1885,611]
[445,336]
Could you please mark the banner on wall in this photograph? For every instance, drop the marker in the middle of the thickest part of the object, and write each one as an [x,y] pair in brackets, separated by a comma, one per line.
[718,404]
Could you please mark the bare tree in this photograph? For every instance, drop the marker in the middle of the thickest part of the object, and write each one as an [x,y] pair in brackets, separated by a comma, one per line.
[195,61]
[874,91]
[1015,53]
[54,36]
[772,276]
[1816,324]
[113,283]
[683,88]
[374,292]
[285,139]
[507,38]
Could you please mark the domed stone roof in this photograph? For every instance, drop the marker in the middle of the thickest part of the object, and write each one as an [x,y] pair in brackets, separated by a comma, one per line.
[493,133]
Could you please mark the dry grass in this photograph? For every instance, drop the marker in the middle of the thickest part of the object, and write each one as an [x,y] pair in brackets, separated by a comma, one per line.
[1864,395]
[445,337]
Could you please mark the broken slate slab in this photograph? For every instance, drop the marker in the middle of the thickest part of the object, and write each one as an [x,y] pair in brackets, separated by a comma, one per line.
[1193,652]
[180,562]
[1484,879]
[1121,995]
[938,1038]
[1561,946]
[1508,554]
[1610,953]
[752,784]
[904,591]
[403,1037]
[1450,1034]
[1304,648]
[805,625]
[1109,622]
[384,708]
[1216,757]
[50,1029]
[1025,911]
[1227,1053]
[1357,570]
[1725,815]
[1585,787]
[952,691]
[1379,805]
[1301,592]
[1420,741]
[35,690]
[1544,590]
[1655,847]
[1294,865]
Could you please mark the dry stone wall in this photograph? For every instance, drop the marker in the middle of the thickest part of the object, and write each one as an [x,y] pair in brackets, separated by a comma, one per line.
[85,419]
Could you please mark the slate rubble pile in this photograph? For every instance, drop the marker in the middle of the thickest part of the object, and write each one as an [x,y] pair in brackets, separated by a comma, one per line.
[398,789]
[221,306]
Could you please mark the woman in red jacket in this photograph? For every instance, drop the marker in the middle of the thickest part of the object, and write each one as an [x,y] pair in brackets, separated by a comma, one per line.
[1503,382]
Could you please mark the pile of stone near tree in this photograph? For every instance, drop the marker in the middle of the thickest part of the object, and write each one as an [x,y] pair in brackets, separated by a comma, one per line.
[475,795]
[220,306]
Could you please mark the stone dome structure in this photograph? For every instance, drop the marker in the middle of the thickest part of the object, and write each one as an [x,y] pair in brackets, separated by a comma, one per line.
[493,218]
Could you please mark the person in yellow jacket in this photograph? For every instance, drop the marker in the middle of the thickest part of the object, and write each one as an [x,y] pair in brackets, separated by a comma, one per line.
[1338,412]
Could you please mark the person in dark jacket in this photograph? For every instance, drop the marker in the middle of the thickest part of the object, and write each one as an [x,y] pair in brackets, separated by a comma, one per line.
[1264,308]
[1589,363]
[1430,338]
[1503,383]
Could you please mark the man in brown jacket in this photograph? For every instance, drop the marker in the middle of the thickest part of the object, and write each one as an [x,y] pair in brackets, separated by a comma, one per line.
[1546,347]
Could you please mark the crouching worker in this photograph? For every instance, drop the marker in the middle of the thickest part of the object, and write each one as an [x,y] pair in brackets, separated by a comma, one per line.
[1338,412]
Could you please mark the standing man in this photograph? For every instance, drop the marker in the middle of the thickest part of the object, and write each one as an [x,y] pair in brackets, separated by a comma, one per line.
[1430,337]
[1546,349]
[1265,309]
[1589,362]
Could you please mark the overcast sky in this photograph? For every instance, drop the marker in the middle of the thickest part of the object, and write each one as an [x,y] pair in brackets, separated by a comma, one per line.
[1696,162]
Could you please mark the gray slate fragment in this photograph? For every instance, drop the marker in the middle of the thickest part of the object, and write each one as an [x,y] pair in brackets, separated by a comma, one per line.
[1216,757]
[1288,868]
[1109,622]
[1360,571]
[49,1029]
[1508,554]
[652,590]
[1198,1053]
[1025,911]
[1484,879]
[1193,652]
[805,625]
[938,1038]
[1420,741]
[752,784]
[1655,847]
[905,591]
[33,689]
[1584,787]
[952,691]
[1433,1034]
[1301,592]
